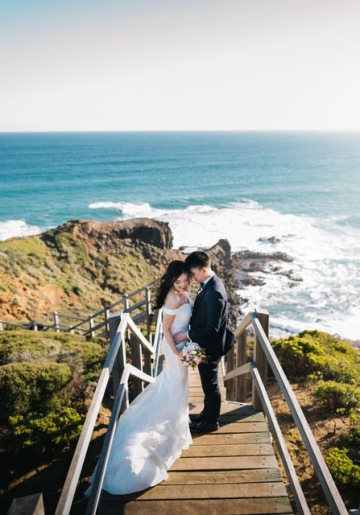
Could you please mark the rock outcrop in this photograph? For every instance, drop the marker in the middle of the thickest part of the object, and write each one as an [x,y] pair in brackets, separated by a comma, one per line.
[82,266]
[106,236]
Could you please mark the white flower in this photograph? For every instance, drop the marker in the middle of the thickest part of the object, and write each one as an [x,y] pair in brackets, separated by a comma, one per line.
[192,355]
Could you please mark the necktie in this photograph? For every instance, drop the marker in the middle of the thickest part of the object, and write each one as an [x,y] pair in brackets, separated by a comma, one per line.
[201,288]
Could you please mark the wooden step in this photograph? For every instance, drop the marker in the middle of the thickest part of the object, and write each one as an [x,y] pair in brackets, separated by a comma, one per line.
[230,471]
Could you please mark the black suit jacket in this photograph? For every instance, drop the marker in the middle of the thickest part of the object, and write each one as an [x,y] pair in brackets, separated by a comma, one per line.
[209,318]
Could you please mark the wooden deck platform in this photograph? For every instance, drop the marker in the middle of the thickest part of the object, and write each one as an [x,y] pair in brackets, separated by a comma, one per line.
[231,471]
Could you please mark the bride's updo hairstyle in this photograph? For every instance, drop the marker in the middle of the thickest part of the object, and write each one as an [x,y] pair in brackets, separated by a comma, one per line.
[174,270]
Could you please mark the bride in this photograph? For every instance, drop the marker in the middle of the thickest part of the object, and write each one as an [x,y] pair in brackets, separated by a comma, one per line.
[154,430]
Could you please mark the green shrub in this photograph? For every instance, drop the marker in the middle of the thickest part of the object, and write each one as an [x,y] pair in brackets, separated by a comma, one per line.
[45,380]
[35,347]
[340,371]
[42,433]
[318,355]
[28,387]
[354,436]
[342,468]
[299,356]
[351,437]
[338,397]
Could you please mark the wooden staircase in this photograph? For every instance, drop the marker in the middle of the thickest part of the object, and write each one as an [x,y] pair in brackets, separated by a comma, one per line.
[233,470]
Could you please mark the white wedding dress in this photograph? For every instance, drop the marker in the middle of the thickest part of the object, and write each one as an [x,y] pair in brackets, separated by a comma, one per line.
[154,429]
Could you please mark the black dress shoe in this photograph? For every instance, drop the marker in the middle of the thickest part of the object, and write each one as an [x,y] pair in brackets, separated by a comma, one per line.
[196,418]
[204,427]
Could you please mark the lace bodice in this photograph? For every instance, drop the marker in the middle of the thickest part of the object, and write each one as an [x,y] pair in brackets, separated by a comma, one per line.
[182,317]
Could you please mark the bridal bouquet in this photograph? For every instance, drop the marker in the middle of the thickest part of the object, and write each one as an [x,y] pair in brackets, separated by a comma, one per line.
[192,355]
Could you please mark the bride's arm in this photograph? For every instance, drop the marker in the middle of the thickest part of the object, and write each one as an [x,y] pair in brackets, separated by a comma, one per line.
[167,322]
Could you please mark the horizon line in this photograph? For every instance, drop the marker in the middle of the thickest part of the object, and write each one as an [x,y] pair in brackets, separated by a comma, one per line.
[69,131]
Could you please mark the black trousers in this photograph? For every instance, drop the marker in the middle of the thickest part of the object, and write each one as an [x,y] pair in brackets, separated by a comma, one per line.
[209,381]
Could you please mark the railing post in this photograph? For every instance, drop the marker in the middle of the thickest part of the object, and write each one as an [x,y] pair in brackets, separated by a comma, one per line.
[56,321]
[136,360]
[120,359]
[148,311]
[1,326]
[241,359]
[91,327]
[126,302]
[231,384]
[107,316]
[259,357]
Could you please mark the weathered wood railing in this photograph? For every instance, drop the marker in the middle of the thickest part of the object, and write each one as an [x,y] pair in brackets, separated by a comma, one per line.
[115,367]
[263,357]
[144,367]
[138,303]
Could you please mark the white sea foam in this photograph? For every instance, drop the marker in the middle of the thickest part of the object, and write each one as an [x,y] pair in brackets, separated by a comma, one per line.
[17,228]
[127,209]
[325,257]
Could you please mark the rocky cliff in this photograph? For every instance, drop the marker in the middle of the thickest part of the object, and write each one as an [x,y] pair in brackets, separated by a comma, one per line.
[82,266]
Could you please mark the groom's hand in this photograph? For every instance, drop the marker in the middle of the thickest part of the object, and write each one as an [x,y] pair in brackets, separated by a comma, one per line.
[180,337]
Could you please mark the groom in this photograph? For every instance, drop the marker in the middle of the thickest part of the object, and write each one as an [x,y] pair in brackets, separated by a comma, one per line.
[208,329]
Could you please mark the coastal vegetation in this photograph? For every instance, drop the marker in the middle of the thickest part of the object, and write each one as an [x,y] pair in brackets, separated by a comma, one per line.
[325,375]
[47,379]
[80,267]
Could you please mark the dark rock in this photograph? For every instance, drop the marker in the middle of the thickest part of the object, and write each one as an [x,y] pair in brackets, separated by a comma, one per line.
[247,255]
[271,240]
[107,235]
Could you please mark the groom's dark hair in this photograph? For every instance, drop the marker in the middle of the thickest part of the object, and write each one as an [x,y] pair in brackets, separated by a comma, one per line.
[198,259]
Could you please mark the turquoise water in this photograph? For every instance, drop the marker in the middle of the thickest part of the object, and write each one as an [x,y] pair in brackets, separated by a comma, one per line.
[302,188]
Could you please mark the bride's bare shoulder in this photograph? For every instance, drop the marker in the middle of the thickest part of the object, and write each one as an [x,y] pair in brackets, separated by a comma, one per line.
[172,301]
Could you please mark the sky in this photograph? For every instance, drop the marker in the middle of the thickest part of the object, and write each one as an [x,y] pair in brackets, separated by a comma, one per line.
[116,65]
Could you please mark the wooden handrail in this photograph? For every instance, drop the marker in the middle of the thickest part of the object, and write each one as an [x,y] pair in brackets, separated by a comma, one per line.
[295,486]
[68,491]
[329,488]
[99,476]
[158,333]
[240,371]
[331,492]
[117,346]
[89,320]
[71,317]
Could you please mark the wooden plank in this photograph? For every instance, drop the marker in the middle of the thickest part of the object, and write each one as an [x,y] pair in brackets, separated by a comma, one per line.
[28,505]
[229,450]
[197,391]
[240,418]
[245,427]
[229,438]
[265,506]
[218,477]
[225,463]
[229,408]
[223,491]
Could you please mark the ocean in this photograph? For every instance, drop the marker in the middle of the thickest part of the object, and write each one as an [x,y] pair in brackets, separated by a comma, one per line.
[294,192]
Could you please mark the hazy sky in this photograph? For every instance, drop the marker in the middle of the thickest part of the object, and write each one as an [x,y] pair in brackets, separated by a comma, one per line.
[179,65]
